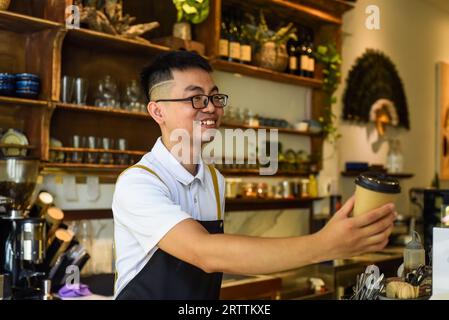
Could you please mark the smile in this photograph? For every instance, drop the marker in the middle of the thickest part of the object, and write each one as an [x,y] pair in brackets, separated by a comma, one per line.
[208,122]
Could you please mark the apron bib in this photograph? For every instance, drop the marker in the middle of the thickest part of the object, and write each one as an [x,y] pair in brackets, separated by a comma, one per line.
[165,277]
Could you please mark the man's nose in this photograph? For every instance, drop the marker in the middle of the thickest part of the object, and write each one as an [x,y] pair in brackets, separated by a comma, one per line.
[210,108]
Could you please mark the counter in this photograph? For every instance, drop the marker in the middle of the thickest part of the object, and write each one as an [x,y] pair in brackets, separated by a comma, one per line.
[339,276]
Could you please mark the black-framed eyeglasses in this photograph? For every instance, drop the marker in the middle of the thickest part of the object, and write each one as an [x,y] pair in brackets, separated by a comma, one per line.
[201,101]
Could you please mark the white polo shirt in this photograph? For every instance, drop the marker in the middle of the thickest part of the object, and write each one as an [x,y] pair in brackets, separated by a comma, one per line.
[146,208]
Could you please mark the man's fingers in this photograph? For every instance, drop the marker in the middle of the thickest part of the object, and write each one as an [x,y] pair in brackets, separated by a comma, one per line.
[346,209]
[379,237]
[378,226]
[373,215]
[377,246]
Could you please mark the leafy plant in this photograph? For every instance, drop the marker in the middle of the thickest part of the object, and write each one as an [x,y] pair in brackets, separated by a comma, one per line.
[193,11]
[330,58]
[261,33]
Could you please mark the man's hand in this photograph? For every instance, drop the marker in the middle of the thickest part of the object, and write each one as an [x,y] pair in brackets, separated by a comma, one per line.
[345,236]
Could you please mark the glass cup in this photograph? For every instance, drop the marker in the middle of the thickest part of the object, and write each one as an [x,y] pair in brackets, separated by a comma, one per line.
[77,157]
[67,86]
[91,157]
[122,145]
[106,157]
[80,92]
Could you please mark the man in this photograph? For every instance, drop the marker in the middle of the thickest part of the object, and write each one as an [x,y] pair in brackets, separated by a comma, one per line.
[168,212]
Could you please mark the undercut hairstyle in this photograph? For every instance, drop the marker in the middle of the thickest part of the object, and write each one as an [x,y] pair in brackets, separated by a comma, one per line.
[161,68]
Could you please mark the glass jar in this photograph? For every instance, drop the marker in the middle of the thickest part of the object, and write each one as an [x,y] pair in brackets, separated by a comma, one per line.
[250,190]
[107,93]
[132,96]
[262,190]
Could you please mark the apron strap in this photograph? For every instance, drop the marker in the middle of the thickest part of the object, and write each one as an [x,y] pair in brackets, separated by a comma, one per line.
[216,189]
[214,181]
[144,168]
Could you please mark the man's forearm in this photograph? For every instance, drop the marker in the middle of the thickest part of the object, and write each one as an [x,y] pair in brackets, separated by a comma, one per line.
[254,255]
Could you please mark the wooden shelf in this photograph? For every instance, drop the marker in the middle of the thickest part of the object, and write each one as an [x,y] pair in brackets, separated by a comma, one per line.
[257,72]
[22,102]
[104,41]
[244,204]
[67,149]
[394,175]
[20,23]
[16,146]
[86,166]
[255,172]
[231,205]
[142,115]
[281,130]
[103,110]
[311,11]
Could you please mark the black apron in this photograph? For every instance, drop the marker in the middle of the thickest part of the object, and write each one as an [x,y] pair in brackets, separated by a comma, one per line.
[166,277]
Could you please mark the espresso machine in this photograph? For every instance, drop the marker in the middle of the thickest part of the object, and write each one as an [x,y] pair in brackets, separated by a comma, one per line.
[22,239]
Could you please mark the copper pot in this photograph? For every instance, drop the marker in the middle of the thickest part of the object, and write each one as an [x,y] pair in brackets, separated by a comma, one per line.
[272,56]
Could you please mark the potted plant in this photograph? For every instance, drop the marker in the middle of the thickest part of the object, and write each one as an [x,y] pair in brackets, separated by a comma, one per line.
[189,11]
[4,4]
[329,57]
[271,48]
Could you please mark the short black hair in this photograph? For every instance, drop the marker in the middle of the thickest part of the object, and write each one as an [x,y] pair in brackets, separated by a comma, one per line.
[161,67]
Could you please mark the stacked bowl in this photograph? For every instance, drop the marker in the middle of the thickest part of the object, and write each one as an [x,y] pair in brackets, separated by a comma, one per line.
[27,85]
[7,84]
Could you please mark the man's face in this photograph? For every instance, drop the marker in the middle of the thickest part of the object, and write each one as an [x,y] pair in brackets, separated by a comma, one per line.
[181,115]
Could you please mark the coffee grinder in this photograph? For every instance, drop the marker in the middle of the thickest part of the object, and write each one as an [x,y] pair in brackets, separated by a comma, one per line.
[22,239]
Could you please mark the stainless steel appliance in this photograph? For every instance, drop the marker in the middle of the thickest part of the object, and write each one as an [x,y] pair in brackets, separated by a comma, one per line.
[22,239]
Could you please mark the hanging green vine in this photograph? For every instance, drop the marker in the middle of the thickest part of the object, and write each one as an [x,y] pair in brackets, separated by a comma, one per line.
[330,58]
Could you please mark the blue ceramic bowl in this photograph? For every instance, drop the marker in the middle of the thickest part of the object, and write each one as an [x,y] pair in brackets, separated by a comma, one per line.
[7,84]
[27,76]
[356,166]
[27,84]
[7,91]
[7,77]
[27,94]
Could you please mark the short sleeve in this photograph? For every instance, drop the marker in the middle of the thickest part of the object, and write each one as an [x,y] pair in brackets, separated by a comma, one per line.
[142,204]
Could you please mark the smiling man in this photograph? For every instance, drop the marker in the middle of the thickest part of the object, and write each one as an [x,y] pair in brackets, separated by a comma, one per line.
[168,212]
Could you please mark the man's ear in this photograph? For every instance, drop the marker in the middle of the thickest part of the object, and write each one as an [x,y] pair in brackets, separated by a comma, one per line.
[156,112]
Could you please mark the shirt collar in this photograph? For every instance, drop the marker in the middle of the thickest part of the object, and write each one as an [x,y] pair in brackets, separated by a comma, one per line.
[174,167]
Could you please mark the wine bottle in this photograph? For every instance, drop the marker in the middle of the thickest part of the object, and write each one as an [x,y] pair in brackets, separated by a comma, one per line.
[292,67]
[304,59]
[310,54]
[224,40]
[234,44]
[245,46]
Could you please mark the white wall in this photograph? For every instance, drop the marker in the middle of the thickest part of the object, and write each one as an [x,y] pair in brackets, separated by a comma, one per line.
[414,35]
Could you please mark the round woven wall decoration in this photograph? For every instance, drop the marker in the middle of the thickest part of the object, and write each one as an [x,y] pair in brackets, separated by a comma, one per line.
[374,79]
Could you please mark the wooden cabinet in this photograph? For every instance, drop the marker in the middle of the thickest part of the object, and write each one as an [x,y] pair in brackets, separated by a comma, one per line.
[34,39]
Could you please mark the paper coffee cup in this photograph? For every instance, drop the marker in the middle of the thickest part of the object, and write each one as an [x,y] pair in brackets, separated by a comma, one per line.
[374,190]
